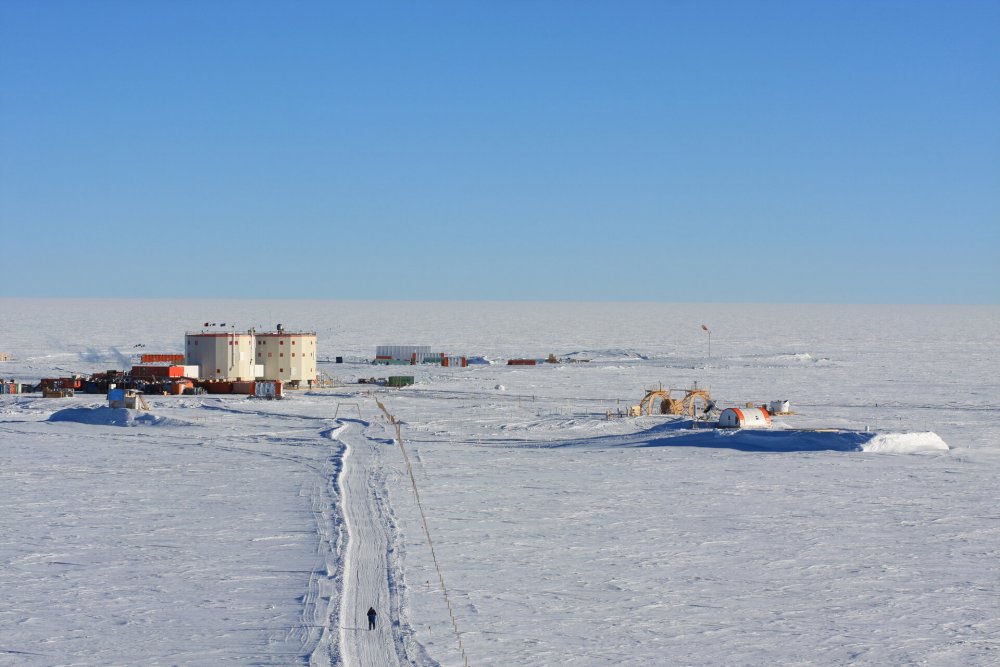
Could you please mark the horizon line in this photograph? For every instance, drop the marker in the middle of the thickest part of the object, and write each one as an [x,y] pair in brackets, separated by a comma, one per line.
[499,300]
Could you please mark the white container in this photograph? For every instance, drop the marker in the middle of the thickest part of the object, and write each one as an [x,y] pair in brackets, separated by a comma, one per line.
[779,406]
[268,389]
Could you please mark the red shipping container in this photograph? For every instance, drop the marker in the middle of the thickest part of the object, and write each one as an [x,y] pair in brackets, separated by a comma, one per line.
[163,359]
[522,362]
[62,383]
[158,371]
[243,387]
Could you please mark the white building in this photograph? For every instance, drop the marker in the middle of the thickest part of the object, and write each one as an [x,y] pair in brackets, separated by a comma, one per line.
[289,356]
[401,353]
[221,355]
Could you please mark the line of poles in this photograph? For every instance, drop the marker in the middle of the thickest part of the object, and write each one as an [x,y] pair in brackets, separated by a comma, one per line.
[427,531]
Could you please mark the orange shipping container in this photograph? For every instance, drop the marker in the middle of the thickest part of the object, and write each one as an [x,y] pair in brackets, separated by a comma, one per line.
[177,387]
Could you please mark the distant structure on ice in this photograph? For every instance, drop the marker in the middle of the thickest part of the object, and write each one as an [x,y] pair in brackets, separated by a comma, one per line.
[392,355]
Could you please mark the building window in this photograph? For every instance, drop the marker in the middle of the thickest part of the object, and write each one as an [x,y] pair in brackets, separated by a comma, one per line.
[259,354]
[269,354]
[293,354]
[281,370]
[281,342]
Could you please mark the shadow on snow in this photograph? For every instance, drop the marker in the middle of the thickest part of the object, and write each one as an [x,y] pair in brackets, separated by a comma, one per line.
[679,433]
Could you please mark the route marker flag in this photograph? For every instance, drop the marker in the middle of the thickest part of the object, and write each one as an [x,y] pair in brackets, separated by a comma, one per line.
[709,332]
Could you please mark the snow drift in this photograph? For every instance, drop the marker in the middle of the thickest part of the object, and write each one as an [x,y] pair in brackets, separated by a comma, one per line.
[905,443]
[105,416]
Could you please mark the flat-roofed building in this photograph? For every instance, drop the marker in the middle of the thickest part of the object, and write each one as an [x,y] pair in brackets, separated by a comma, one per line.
[221,355]
[289,356]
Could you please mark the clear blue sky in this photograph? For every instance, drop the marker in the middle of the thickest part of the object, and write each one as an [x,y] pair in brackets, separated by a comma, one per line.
[799,151]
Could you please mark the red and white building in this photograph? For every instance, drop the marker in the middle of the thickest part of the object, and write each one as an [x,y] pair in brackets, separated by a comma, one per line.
[744,418]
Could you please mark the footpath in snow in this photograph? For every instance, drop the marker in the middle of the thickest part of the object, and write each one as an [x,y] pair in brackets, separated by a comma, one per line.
[371,571]
[366,566]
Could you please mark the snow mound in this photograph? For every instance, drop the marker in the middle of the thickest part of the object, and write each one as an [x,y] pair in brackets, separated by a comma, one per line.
[779,360]
[105,416]
[478,361]
[614,354]
[905,443]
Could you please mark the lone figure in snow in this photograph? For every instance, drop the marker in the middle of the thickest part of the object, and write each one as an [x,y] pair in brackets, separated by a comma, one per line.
[371,618]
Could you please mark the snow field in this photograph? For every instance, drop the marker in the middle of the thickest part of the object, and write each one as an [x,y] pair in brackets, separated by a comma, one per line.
[188,544]
[706,556]
[222,530]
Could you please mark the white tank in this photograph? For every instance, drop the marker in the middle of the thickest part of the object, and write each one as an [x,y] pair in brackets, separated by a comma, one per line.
[221,356]
[744,418]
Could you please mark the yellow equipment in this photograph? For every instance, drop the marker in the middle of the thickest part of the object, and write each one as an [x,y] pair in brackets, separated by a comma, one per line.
[693,400]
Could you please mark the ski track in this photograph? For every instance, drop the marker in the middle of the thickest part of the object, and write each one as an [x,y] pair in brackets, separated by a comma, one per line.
[367,572]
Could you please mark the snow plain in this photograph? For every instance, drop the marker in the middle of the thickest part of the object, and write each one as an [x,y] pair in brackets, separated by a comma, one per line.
[228,530]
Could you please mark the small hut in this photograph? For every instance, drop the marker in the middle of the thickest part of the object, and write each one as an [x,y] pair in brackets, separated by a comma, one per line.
[126,398]
[744,418]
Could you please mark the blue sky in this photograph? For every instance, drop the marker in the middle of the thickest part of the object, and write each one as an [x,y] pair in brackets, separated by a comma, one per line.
[668,151]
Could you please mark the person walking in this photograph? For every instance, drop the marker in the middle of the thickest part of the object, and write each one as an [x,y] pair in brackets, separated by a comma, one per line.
[371,618]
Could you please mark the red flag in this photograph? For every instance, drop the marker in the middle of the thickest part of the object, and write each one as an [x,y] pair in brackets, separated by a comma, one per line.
[704,327]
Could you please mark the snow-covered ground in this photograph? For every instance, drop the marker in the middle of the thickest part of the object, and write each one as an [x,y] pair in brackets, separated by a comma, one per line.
[223,529]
